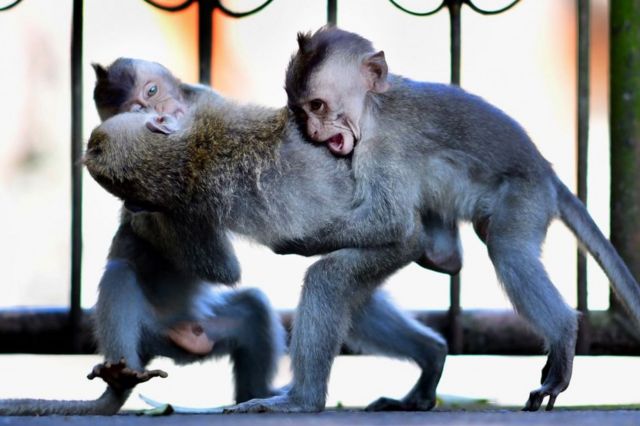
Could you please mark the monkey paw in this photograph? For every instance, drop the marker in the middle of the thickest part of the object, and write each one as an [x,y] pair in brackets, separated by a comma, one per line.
[120,377]
[389,404]
[537,396]
[275,404]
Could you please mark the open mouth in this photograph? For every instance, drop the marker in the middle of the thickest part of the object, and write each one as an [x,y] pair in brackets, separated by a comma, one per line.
[335,143]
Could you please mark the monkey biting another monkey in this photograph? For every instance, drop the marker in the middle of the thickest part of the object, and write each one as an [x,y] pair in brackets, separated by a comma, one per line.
[153,300]
[152,88]
[420,149]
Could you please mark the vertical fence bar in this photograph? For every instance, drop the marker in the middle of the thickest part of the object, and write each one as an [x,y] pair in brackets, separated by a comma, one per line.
[205,39]
[624,80]
[455,326]
[584,37]
[332,12]
[75,315]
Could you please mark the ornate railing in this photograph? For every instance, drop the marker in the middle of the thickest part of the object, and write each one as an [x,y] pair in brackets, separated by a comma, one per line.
[67,331]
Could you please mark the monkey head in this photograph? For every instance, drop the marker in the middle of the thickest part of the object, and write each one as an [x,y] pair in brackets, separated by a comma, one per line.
[133,160]
[136,85]
[328,81]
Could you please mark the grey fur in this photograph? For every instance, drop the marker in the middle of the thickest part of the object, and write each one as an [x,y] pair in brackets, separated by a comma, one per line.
[436,148]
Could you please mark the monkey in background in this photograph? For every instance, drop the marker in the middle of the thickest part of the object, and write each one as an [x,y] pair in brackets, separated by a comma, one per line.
[156,299]
[431,147]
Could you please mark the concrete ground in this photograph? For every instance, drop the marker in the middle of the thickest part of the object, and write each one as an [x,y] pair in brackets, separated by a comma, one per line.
[353,418]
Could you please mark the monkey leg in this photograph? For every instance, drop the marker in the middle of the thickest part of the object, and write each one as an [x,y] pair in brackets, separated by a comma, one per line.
[335,287]
[379,327]
[121,311]
[513,240]
[253,336]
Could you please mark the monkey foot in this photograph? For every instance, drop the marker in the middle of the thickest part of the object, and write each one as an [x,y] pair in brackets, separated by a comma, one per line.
[389,404]
[120,377]
[537,396]
[275,404]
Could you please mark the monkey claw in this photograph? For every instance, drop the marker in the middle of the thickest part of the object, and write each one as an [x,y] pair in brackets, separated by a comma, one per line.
[120,377]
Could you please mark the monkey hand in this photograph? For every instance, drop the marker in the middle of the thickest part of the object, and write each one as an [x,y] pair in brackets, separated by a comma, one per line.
[120,377]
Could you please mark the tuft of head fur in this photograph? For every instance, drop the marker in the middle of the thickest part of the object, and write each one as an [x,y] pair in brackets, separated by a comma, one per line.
[313,50]
[114,85]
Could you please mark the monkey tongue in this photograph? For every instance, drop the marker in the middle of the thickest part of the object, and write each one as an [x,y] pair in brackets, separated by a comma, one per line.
[336,144]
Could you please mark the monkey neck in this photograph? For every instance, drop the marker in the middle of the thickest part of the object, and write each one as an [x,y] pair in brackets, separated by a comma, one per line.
[230,148]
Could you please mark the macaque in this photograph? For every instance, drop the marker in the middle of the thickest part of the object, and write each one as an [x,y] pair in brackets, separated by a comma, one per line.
[154,298]
[420,147]
[149,89]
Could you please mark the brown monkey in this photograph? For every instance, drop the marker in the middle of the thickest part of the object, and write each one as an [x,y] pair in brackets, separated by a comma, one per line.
[149,85]
[247,169]
[155,300]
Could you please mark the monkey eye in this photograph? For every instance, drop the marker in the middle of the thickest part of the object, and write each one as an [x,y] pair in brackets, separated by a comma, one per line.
[316,105]
[152,90]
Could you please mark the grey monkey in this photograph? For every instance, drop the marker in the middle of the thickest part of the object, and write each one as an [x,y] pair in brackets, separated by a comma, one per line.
[421,148]
[154,300]
[432,147]
[378,327]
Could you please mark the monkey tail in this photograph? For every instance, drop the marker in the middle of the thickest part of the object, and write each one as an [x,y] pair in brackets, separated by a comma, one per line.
[107,404]
[574,214]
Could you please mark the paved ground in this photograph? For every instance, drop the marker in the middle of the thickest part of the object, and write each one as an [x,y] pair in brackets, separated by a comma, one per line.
[354,418]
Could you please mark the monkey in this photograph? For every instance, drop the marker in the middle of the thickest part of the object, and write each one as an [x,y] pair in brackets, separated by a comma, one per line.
[420,146]
[136,85]
[154,298]
[423,147]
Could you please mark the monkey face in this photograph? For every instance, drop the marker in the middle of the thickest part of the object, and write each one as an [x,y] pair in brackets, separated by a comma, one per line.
[154,90]
[334,99]
[333,107]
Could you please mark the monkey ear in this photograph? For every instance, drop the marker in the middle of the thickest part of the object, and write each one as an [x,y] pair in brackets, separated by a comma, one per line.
[101,72]
[303,41]
[376,70]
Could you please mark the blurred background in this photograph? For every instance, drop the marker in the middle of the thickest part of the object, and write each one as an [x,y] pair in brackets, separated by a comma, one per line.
[523,61]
